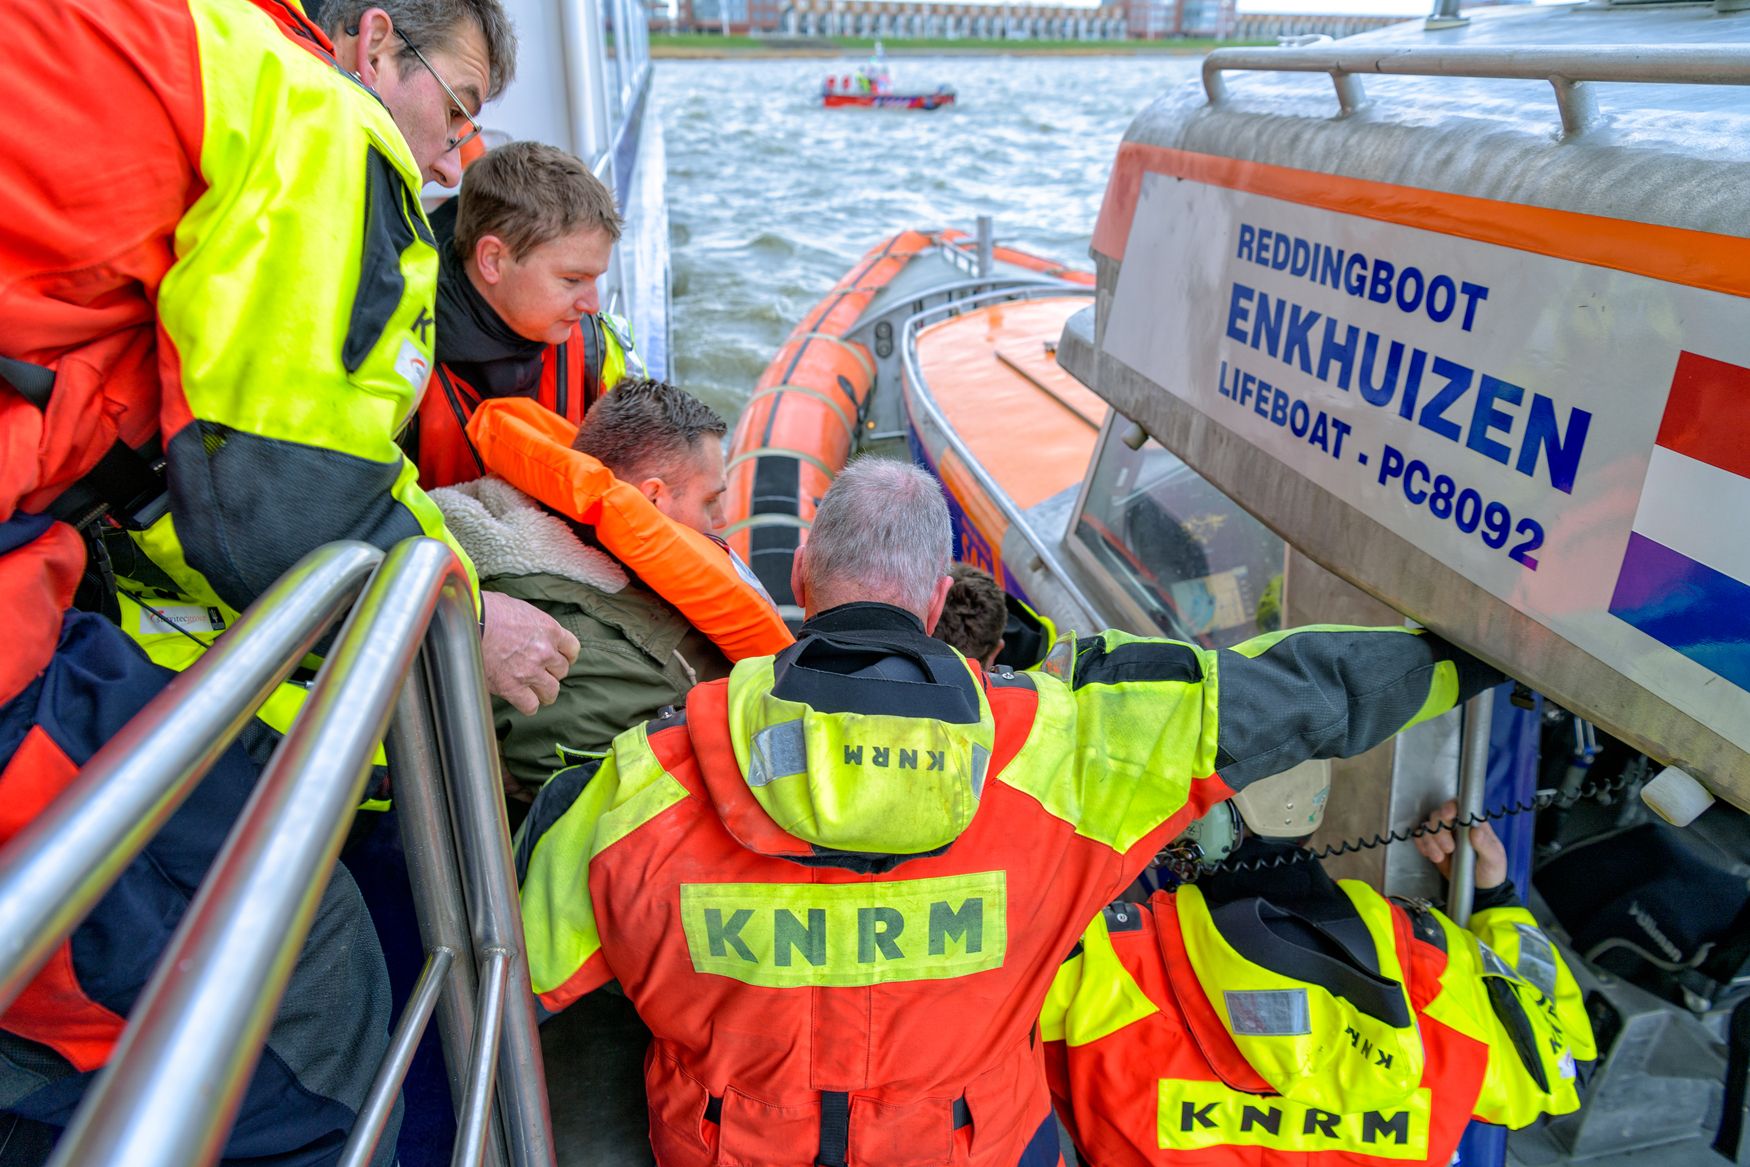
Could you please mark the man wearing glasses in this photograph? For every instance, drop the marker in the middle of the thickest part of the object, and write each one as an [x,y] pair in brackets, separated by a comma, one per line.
[431,66]
[216,294]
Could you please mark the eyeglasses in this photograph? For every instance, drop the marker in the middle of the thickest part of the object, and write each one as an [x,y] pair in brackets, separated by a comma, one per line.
[461,110]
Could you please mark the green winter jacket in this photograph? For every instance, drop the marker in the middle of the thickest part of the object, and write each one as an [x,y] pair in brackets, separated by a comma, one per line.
[637,654]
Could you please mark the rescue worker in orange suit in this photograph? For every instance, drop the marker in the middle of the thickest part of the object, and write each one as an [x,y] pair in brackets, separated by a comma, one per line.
[838,885]
[212,260]
[1269,1015]
[518,314]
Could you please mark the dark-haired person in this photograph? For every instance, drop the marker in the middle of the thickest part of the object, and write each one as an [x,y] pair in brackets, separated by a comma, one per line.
[518,314]
[973,615]
[990,625]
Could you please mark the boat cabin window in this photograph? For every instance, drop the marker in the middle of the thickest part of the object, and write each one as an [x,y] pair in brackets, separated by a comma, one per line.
[1197,564]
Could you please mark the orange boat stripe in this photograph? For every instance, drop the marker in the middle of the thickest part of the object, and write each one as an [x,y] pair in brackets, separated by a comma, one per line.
[1698,259]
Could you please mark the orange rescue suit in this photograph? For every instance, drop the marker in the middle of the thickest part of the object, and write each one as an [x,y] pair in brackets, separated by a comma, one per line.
[1145,1071]
[851,1040]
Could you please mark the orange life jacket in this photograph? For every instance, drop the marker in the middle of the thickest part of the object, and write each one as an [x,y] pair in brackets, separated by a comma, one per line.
[529,446]
[438,442]
[1172,1087]
[896,1068]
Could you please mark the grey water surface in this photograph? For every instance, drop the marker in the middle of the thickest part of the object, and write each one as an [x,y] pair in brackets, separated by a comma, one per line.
[772,198]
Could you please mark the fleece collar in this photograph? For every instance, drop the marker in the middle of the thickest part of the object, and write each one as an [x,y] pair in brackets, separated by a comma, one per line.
[506,533]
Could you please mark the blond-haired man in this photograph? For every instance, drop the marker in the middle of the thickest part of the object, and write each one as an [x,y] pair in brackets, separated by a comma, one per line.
[518,314]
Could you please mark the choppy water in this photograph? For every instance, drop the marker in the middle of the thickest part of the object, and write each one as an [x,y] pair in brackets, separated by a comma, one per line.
[772,198]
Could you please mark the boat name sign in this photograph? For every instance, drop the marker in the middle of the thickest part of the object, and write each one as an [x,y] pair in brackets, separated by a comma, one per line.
[1566,435]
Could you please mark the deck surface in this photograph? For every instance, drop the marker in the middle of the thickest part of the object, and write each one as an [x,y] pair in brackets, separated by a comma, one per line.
[1029,423]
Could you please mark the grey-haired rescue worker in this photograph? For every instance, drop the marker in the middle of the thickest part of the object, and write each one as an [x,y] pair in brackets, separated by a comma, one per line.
[1272,1017]
[838,885]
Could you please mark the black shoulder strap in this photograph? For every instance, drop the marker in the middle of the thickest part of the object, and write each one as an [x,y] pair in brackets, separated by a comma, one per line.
[594,357]
[126,483]
[1731,1127]
[562,380]
[462,412]
[32,382]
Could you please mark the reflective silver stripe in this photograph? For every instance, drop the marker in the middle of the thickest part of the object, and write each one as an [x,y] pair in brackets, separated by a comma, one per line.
[778,752]
[1537,958]
[783,452]
[765,521]
[980,763]
[854,349]
[837,409]
[1494,965]
[1268,1012]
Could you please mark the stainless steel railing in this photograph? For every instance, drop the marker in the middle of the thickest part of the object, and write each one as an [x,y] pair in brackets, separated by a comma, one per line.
[931,411]
[1569,69]
[408,650]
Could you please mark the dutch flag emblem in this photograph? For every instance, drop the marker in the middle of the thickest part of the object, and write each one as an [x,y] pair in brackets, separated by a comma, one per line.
[1685,578]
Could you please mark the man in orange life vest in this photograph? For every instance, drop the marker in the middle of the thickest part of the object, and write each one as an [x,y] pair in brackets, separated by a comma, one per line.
[838,886]
[518,314]
[211,260]
[640,655]
[1268,1015]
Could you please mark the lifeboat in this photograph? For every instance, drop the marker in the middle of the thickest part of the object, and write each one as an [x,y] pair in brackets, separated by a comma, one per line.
[944,96]
[871,87]
[942,348]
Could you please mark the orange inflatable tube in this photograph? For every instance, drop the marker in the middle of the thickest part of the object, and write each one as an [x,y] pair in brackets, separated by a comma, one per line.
[530,447]
[801,425]
[804,420]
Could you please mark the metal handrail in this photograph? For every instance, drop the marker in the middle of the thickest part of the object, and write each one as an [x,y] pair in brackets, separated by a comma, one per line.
[453,683]
[927,403]
[1473,781]
[1568,68]
[211,1001]
[55,870]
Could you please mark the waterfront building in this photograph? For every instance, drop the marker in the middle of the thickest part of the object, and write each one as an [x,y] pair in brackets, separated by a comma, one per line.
[947,19]
[1164,19]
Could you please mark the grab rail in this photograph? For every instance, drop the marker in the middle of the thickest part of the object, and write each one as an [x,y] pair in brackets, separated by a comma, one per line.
[1567,68]
[55,870]
[933,413]
[211,1000]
